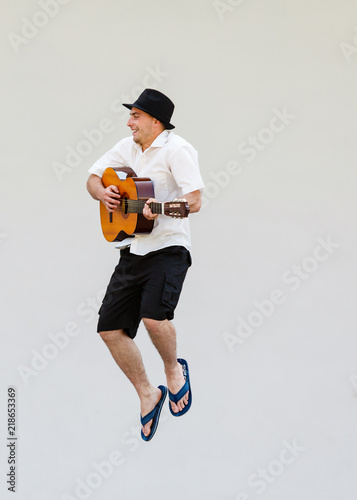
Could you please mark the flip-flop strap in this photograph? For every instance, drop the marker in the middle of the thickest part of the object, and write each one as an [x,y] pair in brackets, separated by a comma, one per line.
[175,398]
[149,416]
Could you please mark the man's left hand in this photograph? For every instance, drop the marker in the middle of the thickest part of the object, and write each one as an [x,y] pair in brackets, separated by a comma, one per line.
[147,212]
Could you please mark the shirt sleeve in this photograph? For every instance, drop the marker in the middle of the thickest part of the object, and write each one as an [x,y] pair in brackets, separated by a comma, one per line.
[111,159]
[185,169]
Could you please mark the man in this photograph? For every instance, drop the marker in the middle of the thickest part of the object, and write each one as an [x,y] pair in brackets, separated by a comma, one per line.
[147,282]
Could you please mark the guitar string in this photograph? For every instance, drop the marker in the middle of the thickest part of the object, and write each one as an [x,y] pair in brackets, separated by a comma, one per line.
[142,202]
[129,206]
[138,204]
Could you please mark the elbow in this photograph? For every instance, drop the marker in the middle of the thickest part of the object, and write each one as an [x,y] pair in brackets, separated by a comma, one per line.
[195,206]
[93,183]
[89,184]
[194,201]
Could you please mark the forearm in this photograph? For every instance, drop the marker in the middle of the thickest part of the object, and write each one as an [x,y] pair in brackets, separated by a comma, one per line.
[95,187]
[109,196]
[194,201]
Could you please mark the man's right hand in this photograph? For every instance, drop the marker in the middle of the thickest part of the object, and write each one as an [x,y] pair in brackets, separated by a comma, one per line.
[110,197]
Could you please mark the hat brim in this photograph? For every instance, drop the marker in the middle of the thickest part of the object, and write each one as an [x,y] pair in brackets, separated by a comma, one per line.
[168,126]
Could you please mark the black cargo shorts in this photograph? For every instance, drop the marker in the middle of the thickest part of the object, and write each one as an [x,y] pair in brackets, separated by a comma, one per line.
[143,286]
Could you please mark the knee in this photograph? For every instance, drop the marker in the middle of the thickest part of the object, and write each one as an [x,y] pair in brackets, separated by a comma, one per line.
[109,336]
[152,325]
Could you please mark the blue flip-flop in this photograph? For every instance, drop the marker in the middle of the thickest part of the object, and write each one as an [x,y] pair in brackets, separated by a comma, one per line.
[186,387]
[154,415]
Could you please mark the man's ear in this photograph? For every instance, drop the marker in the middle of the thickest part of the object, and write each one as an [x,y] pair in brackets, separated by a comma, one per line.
[158,124]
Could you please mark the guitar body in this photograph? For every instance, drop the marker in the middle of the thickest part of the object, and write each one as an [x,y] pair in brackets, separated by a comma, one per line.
[121,224]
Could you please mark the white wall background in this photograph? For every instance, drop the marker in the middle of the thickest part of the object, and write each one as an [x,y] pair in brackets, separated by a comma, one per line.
[278,223]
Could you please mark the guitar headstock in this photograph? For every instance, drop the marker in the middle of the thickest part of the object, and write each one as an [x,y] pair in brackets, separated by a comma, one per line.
[179,209]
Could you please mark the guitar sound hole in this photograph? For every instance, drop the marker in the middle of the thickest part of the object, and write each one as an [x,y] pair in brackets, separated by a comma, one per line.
[125,205]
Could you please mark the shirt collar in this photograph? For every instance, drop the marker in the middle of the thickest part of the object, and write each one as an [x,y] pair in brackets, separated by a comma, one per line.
[160,139]
[158,142]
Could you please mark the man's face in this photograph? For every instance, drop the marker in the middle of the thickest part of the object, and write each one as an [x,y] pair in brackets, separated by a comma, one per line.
[143,127]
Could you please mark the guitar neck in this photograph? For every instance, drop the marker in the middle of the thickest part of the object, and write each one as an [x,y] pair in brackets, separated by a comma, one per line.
[137,206]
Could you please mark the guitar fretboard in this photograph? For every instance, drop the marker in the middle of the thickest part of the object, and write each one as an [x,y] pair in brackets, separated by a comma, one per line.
[137,206]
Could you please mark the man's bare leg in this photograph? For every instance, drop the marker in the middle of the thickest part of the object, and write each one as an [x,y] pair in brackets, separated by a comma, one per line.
[127,355]
[163,336]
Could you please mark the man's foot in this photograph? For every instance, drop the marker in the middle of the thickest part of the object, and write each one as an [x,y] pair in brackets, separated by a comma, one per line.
[151,408]
[179,388]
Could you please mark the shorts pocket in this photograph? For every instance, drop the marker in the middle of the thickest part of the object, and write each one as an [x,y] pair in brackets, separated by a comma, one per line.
[171,293]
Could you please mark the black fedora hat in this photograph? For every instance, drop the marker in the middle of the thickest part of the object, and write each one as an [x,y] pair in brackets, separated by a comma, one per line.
[156,104]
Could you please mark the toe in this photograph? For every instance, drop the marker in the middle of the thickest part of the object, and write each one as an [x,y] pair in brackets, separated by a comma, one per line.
[147,428]
[174,407]
[180,405]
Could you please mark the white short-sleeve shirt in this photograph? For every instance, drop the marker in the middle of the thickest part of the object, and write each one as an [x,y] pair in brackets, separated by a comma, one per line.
[172,164]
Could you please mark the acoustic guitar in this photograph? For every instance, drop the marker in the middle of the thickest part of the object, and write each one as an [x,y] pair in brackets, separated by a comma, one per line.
[128,219]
